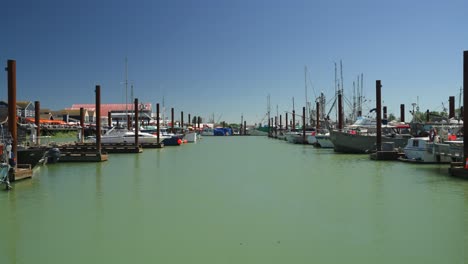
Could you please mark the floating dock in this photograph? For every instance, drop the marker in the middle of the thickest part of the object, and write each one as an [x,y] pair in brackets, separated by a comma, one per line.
[82,157]
[386,155]
[22,171]
[457,170]
[107,148]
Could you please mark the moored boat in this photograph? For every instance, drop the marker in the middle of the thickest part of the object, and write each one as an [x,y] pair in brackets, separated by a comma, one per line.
[421,149]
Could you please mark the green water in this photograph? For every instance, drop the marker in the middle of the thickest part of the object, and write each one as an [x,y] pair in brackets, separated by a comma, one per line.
[236,200]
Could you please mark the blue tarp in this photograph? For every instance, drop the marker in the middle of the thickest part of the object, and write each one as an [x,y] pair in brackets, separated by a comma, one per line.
[222,131]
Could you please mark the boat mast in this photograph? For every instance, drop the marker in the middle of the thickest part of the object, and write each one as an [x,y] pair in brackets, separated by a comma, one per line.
[305,84]
[342,86]
[336,91]
[354,101]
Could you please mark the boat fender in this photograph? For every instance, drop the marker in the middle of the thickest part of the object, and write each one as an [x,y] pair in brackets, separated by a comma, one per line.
[179,141]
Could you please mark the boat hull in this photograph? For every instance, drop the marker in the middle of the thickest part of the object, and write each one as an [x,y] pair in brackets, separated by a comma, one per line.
[324,141]
[355,143]
[30,156]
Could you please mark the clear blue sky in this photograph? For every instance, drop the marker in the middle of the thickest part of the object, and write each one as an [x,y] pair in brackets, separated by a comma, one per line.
[225,57]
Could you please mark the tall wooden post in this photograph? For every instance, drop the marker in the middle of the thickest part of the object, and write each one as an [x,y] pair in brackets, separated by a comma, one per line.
[137,122]
[276,126]
[82,125]
[451,106]
[98,118]
[109,119]
[157,118]
[378,87]
[281,123]
[129,123]
[402,113]
[172,120]
[245,127]
[189,120]
[182,119]
[294,119]
[12,106]
[317,106]
[465,102]
[340,111]
[303,125]
[286,122]
[37,121]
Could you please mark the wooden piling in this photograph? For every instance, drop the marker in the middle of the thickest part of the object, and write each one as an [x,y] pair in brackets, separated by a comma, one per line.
[98,118]
[402,113]
[378,87]
[465,102]
[129,123]
[12,106]
[37,118]
[137,123]
[20,171]
[281,123]
[451,106]
[172,119]
[303,125]
[317,106]
[182,119]
[294,119]
[245,127]
[157,118]
[82,124]
[456,169]
[340,111]
[286,122]
[109,119]
[276,126]
[189,121]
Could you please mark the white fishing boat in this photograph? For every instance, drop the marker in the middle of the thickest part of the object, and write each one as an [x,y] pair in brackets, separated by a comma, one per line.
[323,139]
[421,149]
[207,131]
[191,137]
[119,135]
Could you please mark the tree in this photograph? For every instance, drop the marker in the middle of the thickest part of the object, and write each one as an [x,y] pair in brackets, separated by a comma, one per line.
[391,117]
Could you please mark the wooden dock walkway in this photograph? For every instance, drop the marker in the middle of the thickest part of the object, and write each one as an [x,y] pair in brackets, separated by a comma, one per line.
[107,148]
[22,171]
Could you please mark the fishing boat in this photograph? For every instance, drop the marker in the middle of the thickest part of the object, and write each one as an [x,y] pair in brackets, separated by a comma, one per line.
[323,139]
[207,131]
[421,150]
[122,135]
[361,136]
[297,137]
[294,137]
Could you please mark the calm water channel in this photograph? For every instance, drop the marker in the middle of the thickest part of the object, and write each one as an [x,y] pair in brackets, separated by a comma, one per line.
[236,200]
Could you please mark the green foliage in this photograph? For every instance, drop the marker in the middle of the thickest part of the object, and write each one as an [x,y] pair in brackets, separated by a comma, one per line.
[69,134]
